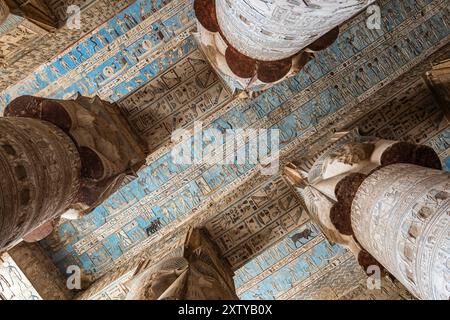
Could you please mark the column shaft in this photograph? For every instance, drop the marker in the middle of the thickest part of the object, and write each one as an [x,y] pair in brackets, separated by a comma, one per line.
[39,176]
[400,215]
[274,30]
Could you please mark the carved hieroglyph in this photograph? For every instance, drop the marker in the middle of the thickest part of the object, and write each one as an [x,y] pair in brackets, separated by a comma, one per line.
[41,271]
[315,178]
[39,175]
[401,216]
[254,44]
[16,35]
[14,284]
[386,202]
[273,30]
[60,157]
[36,11]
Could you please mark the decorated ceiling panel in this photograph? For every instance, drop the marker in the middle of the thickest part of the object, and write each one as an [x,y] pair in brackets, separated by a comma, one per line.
[43,48]
[146,59]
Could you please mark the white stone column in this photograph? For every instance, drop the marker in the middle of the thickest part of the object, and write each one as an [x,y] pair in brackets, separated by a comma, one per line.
[401,215]
[254,44]
[272,30]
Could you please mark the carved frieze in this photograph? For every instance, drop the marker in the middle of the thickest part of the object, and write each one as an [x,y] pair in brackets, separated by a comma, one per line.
[275,30]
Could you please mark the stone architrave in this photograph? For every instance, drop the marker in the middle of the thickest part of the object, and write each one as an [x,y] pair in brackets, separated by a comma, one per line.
[35,11]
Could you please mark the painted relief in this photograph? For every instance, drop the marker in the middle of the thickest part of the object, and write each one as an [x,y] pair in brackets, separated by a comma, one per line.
[186,92]
[41,52]
[288,266]
[16,35]
[93,64]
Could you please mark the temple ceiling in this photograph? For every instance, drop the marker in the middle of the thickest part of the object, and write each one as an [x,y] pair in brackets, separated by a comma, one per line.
[26,46]
[146,59]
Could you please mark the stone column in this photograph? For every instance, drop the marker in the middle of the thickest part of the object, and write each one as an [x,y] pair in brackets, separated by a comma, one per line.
[400,215]
[386,201]
[275,30]
[200,274]
[60,158]
[35,11]
[253,44]
[39,176]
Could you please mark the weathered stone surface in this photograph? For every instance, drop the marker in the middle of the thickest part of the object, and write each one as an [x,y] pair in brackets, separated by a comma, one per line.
[438,79]
[251,46]
[200,274]
[35,11]
[58,157]
[39,176]
[40,271]
[384,194]
[401,216]
[276,30]
[4,11]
